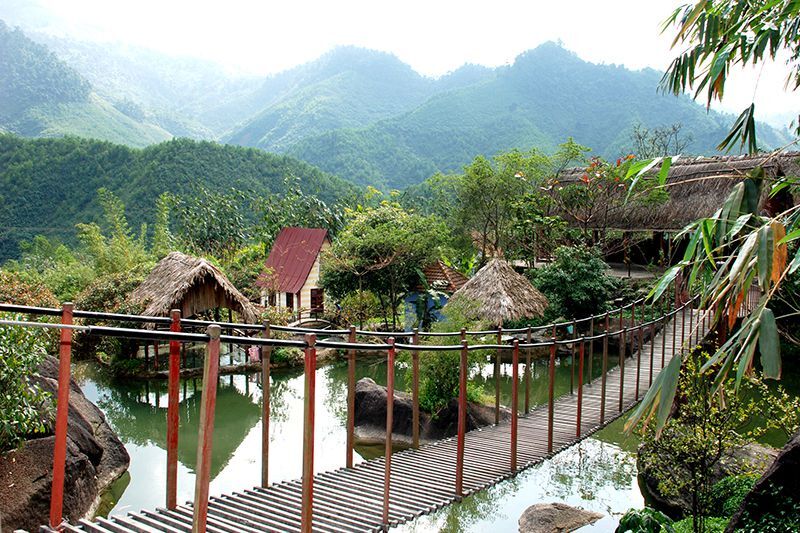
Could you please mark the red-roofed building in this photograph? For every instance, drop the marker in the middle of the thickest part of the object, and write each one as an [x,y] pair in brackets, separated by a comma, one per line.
[291,280]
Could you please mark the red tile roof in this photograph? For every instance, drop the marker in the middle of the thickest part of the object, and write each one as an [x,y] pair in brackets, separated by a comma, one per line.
[292,257]
[443,278]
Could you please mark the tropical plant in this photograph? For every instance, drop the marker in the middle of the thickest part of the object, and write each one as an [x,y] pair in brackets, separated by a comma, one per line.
[381,250]
[576,283]
[719,34]
[647,520]
[24,406]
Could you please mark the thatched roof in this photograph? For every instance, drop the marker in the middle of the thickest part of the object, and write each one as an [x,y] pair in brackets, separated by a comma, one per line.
[191,284]
[697,188]
[499,293]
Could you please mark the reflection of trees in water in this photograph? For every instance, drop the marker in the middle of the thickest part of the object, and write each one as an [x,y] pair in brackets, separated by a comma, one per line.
[590,467]
[373,367]
[281,394]
[136,420]
[472,509]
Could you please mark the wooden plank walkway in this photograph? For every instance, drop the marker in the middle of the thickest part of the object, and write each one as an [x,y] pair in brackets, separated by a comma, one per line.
[423,480]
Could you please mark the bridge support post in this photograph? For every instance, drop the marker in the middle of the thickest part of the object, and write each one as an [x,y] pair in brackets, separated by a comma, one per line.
[529,340]
[351,399]
[572,358]
[172,413]
[62,418]
[266,356]
[551,394]
[622,353]
[640,334]
[205,435]
[591,349]
[497,376]
[415,391]
[514,403]
[462,417]
[604,374]
[652,352]
[691,328]
[580,390]
[308,433]
[387,461]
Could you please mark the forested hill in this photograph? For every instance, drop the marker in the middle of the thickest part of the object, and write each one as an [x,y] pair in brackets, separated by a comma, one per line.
[547,95]
[49,185]
[41,96]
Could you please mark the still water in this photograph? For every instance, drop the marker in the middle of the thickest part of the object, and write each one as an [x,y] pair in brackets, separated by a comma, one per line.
[597,474]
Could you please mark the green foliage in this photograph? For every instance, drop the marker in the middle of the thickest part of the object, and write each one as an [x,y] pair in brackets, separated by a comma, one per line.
[49,185]
[109,293]
[381,250]
[645,520]
[24,407]
[575,283]
[359,306]
[716,36]
[711,525]
[14,290]
[287,355]
[727,494]
[783,514]
[244,267]
[440,370]
[706,424]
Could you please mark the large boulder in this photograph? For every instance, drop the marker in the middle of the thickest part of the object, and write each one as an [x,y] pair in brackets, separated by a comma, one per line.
[95,458]
[370,416]
[555,518]
[775,494]
[747,459]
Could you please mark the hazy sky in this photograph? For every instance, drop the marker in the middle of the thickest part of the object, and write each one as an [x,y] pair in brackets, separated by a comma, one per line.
[433,36]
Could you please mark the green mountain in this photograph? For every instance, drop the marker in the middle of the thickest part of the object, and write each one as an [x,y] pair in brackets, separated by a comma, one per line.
[43,97]
[547,95]
[49,185]
[346,88]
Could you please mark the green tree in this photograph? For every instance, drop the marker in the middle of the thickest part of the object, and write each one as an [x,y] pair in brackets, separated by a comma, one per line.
[575,283]
[211,222]
[24,409]
[716,35]
[381,250]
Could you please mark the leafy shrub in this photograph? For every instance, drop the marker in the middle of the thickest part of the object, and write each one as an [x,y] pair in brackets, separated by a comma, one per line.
[24,409]
[360,306]
[289,355]
[783,515]
[15,290]
[727,494]
[712,525]
[645,520]
[109,294]
[575,283]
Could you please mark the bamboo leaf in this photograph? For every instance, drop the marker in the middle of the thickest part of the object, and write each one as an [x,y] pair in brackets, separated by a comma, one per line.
[780,252]
[668,388]
[692,246]
[663,283]
[795,262]
[738,225]
[790,237]
[764,256]
[769,345]
[743,256]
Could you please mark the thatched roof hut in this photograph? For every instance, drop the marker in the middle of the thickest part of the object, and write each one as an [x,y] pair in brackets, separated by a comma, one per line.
[191,284]
[697,188]
[499,293]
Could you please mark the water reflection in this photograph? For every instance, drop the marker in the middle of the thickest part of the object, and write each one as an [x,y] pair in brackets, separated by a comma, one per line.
[137,412]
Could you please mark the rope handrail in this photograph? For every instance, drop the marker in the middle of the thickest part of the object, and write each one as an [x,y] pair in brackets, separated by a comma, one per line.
[95,315]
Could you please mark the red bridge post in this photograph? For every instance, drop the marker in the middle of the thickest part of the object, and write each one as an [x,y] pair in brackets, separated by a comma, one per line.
[603,375]
[514,403]
[172,412]
[580,389]
[551,394]
[387,460]
[529,340]
[497,376]
[308,433]
[266,356]
[415,391]
[205,436]
[622,353]
[351,399]
[62,412]
[462,416]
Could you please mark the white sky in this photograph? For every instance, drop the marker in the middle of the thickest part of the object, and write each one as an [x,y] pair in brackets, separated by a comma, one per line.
[433,36]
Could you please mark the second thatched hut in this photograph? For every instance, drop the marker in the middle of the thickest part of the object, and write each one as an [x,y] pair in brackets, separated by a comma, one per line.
[193,285]
[497,293]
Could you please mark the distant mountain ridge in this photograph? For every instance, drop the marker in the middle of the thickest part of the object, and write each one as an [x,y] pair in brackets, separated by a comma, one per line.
[49,185]
[361,114]
[41,96]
